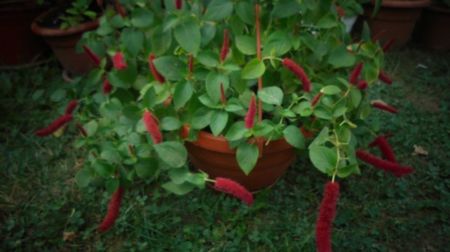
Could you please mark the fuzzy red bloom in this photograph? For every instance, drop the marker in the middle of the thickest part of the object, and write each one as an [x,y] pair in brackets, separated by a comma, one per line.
[81,129]
[178,4]
[184,132]
[326,216]
[119,61]
[71,106]
[94,58]
[107,87]
[384,106]
[251,112]
[191,64]
[113,210]
[153,69]
[385,165]
[362,84]
[307,133]
[384,147]
[54,126]
[388,45]
[385,78]
[223,98]
[353,79]
[316,99]
[152,127]
[340,11]
[233,188]
[119,8]
[225,45]
[299,72]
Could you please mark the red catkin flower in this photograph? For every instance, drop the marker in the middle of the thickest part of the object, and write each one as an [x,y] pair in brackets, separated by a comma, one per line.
[184,131]
[385,78]
[385,165]
[388,45]
[251,112]
[153,69]
[225,45]
[299,72]
[191,64]
[119,61]
[384,147]
[326,216]
[223,98]
[71,106]
[107,87]
[94,58]
[152,127]
[54,126]
[316,99]
[353,79]
[178,4]
[119,8]
[384,106]
[113,211]
[362,84]
[235,189]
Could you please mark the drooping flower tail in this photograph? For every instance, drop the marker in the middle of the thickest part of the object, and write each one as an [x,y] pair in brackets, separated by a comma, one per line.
[299,72]
[225,45]
[71,106]
[384,147]
[223,98]
[251,112]
[235,189]
[353,79]
[388,45]
[385,165]
[326,216]
[384,77]
[184,131]
[362,84]
[54,126]
[152,127]
[113,210]
[94,58]
[120,9]
[119,62]
[178,4]
[316,99]
[153,69]
[384,106]
[107,87]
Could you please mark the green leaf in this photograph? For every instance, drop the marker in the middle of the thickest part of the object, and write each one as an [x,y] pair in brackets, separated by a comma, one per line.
[294,136]
[208,59]
[161,41]
[172,153]
[348,170]
[188,36]
[236,131]
[340,57]
[91,127]
[111,155]
[286,8]
[170,67]
[183,93]
[246,44]
[83,177]
[146,168]
[132,40]
[245,12]
[322,138]
[208,32]
[330,90]
[170,123]
[201,118]
[123,78]
[326,22]
[247,156]
[355,97]
[179,176]
[219,120]
[180,189]
[103,169]
[213,82]
[253,70]
[58,95]
[218,10]
[323,158]
[303,109]
[271,95]
[323,113]
[141,18]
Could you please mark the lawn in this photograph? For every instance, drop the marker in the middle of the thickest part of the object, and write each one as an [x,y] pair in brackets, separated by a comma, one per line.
[43,209]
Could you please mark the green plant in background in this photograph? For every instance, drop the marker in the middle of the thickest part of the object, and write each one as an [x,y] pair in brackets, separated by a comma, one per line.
[78,12]
[286,71]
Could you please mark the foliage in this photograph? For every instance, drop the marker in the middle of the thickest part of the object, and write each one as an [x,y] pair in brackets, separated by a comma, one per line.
[78,12]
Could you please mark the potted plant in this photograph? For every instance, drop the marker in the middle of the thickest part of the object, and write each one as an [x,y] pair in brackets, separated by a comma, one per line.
[62,28]
[433,28]
[394,19]
[239,90]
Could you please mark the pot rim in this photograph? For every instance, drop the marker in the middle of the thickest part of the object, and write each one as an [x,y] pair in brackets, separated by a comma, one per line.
[220,144]
[404,4]
[56,32]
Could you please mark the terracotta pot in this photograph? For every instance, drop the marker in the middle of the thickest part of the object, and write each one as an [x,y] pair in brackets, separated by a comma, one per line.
[63,43]
[434,28]
[395,20]
[214,156]
[19,45]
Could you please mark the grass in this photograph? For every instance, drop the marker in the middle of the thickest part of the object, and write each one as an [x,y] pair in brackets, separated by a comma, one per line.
[42,209]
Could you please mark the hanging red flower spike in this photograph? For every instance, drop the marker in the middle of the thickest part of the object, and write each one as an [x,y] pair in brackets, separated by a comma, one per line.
[299,72]
[54,126]
[388,166]
[152,127]
[233,188]
[113,211]
[326,216]
[94,58]
[362,84]
[223,98]
[316,99]
[388,45]
[353,79]
[384,106]
[251,112]
[225,46]
[385,78]
[153,69]
[71,106]
[119,61]
[107,87]
[178,4]
[384,147]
